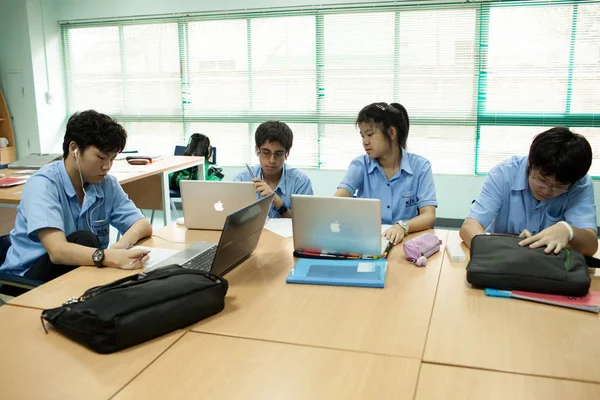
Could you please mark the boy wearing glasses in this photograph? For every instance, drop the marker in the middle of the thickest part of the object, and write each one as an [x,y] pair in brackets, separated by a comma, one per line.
[273,143]
[547,198]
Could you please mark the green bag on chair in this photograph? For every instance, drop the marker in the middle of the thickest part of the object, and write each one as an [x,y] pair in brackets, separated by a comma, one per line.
[211,173]
[198,145]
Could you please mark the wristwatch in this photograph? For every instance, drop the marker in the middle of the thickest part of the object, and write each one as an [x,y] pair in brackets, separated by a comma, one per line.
[282,210]
[98,257]
[404,226]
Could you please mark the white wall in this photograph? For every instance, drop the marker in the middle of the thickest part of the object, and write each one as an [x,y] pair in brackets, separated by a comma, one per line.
[46,53]
[43,124]
[16,74]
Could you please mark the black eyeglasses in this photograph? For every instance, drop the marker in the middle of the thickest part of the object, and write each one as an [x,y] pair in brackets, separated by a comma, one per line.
[266,154]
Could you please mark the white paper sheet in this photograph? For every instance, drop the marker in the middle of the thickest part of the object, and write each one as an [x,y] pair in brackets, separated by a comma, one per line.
[280,226]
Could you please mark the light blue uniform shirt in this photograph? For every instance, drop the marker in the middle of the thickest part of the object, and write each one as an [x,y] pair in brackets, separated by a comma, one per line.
[293,181]
[410,189]
[49,200]
[506,203]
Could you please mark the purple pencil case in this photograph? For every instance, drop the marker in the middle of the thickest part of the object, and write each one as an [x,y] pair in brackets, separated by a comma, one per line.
[418,249]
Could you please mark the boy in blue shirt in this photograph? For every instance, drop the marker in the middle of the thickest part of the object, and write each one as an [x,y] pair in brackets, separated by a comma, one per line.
[547,198]
[403,181]
[67,206]
[273,143]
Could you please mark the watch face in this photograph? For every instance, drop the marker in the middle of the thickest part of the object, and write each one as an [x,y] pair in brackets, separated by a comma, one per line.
[98,255]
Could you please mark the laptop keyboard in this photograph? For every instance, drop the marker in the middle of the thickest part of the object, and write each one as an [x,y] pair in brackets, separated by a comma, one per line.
[203,261]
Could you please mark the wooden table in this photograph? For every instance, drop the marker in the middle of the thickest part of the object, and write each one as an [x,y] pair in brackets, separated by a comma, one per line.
[427,335]
[36,365]
[470,329]
[261,305]
[146,185]
[438,382]
[203,366]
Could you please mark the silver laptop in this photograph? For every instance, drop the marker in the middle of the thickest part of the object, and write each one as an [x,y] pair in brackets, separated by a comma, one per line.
[35,160]
[206,204]
[240,236]
[336,225]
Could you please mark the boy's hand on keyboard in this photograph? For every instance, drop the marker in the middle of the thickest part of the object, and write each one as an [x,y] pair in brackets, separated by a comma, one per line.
[126,259]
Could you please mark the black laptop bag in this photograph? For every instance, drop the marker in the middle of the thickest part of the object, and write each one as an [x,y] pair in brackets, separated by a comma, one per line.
[139,307]
[498,262]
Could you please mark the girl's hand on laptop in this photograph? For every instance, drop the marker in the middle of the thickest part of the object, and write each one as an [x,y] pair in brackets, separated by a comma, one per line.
[394,235]
[126,259]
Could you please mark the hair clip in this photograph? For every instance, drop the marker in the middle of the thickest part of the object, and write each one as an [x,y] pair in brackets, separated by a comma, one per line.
[382,108]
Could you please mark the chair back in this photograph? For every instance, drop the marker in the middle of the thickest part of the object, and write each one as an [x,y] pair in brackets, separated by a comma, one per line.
[179,150]
[4,245]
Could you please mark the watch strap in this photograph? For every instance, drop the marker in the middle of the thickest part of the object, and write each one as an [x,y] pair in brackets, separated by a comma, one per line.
[282,210]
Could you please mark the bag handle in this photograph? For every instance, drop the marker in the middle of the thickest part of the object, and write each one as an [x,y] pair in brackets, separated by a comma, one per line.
[216,278]
[160,273]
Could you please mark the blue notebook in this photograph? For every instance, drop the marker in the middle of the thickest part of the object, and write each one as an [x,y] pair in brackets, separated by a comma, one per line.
[316,271]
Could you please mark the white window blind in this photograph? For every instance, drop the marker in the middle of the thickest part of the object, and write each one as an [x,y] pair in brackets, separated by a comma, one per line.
[358,59]
[218,67]
[542,71]
[283,65]
[479,79]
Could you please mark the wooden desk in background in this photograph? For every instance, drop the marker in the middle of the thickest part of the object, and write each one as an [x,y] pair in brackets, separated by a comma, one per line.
[36,365]
[470,329]
[146,185]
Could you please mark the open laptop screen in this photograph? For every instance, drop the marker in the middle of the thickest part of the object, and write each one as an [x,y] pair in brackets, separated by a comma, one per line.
[241,233]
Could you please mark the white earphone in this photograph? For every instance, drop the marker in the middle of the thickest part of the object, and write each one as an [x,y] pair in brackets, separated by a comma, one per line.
[89,219]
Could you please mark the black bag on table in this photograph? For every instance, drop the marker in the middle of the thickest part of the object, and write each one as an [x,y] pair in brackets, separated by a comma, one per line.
[138,308]
[498,262]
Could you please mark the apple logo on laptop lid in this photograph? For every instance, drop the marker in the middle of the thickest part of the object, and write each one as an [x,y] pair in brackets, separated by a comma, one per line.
[335,227]
[219,206]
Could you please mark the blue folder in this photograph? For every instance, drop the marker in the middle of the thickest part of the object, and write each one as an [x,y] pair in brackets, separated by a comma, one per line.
[315,271]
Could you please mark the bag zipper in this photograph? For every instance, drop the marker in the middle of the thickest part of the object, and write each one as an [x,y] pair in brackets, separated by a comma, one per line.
[134,280]
[426,251]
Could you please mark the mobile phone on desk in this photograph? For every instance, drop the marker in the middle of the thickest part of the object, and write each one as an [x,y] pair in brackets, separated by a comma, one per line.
[250,171]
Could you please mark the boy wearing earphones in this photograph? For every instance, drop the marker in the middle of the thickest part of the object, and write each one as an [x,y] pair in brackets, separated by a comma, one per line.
[272,175]
[67,207]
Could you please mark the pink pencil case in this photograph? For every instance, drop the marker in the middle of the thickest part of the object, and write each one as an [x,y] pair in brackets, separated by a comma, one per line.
[416,250]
